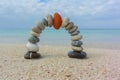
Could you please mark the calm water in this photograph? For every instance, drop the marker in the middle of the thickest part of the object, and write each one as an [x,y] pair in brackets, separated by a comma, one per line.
[61,37]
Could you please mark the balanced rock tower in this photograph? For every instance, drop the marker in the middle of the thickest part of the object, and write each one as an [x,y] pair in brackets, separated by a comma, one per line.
[56,21]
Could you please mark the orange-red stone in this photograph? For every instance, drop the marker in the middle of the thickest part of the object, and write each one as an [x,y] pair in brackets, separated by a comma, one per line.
[57,21]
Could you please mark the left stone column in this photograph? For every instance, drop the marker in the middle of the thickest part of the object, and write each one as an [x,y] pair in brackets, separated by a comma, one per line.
[32,46]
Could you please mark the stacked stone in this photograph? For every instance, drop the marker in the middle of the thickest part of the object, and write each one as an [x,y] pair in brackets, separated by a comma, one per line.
[75,38]
[57,22]
[32,45]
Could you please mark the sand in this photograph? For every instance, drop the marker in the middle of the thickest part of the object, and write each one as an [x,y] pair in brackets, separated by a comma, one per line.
[101,64]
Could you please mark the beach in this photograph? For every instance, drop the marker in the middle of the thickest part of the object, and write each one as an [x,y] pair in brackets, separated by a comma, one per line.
[59,40]
[100,64]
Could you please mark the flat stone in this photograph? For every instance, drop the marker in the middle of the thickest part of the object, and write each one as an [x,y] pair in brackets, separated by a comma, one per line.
[36,29]
[76,43]
[35,34]
[76,54]
[33,39]
[32,55]
[69,26]
[32,47]
[65,21]
[76,37]
[75,33]
[40,25]
[50,20]
[77,48]
[45,22]
[73,29]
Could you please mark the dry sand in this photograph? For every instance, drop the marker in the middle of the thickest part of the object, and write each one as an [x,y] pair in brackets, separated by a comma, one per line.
[101,64]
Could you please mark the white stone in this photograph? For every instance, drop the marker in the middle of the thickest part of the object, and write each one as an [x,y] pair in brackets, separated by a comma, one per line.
[35,34]
[50,20]
[32,47]
[76,37]
[65,21]
[77,48]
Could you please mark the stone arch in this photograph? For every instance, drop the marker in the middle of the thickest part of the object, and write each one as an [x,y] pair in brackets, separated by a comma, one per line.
[57,22]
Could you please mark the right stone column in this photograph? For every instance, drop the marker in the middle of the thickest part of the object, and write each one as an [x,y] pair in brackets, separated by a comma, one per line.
[76,44]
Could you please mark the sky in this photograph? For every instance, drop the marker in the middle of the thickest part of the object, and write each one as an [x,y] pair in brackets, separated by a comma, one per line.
[84,13]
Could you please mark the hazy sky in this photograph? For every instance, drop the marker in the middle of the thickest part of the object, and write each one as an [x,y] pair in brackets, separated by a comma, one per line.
[84,13]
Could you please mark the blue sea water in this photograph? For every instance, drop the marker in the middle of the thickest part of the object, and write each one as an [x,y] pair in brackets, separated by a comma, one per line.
[51,36]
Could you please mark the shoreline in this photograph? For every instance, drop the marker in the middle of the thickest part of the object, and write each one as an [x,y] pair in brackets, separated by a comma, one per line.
[68,44]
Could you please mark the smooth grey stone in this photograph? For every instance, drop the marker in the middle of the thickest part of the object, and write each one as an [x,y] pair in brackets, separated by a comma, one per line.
[65,21]
[76,37]
[30,55]
[77,54]
[40,25]
[76,43]
[33,39]
[77,48]
[69,26]
[50,20]
[73,29]
[36,29]
[35,34]
[75,33]
[45,22]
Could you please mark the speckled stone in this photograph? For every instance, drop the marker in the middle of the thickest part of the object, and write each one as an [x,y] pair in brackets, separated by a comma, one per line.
[50,20]
[45,22]
[36,29]
[73,29]
[76,37]
[32,47]
[33,39]
[65,21]
[75,33]
[69,26]
[76,43]
[40,25]
[35,34]
[76,54]
[77,48]
[32,55]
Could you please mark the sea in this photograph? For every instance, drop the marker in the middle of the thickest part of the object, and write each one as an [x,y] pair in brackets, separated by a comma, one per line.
[102,38]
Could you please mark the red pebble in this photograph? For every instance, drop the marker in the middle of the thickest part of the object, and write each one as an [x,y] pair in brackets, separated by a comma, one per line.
[57,21]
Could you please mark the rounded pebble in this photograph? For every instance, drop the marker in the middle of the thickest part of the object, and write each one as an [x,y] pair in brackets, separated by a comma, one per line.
[50,20]
[32,47]
[33,39]
[45,22]
[35,34]
[73,29]
[69,26]
[57,21]
[65,21]
[36,29]
[40,25]
[76,37]
[75,33]
[76,54]
[76,43]
[77,48]
[30,55]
